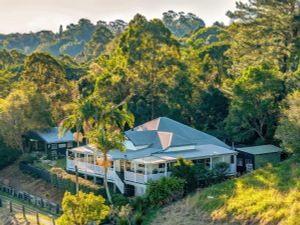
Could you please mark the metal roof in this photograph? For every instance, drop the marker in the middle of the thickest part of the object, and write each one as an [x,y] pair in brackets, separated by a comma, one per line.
[182,135]
[200,152]
[261,149]
[51,135]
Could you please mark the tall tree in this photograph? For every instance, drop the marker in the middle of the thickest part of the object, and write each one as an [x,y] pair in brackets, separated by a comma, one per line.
[265,31]
[50,78]
[253,110]
[24,109]
[288,130]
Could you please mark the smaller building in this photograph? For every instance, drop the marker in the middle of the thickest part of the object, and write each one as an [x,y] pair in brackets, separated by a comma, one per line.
[49,141]
[251,158]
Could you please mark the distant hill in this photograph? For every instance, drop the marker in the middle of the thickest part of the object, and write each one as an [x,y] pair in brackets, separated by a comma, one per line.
[71,41]
[86,40]
[266,196]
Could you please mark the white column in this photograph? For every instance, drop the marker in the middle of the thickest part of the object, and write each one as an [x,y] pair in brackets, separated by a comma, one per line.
[146,174]
[86,164]
[166,169]
[134,171]
[210,166]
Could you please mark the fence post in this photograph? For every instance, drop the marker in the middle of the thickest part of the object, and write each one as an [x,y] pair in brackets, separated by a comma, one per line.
[37,218]
[53,221]
[23,211]
[10,207]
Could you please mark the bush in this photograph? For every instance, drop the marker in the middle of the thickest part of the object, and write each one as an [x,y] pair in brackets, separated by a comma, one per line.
[119,200]
[63,180]
[164,191]
[138,218]
[186,170]
[7,155]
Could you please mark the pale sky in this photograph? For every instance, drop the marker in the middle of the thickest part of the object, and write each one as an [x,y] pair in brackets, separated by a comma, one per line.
[34,15]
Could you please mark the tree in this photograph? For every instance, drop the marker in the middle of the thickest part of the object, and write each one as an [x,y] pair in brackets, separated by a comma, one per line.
[288,130]
[24,109]
[49,77]
[96,45]
[264,31]
[107,133]
[83,209]
[253,111]
[182,24]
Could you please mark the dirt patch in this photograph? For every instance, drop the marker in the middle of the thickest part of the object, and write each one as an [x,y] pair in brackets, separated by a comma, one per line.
[13,177]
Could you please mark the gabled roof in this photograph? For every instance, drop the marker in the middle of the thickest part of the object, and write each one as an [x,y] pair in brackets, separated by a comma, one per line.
[261,149]
[51,135]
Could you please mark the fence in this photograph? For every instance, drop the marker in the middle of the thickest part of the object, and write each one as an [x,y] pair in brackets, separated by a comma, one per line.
[27,213]
[31,199]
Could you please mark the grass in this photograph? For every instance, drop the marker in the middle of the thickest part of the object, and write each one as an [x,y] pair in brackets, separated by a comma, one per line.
[267,196]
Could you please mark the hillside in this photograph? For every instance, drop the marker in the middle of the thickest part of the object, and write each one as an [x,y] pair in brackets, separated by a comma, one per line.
[266,196]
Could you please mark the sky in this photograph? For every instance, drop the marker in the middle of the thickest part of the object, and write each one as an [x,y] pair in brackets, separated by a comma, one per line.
[35,15]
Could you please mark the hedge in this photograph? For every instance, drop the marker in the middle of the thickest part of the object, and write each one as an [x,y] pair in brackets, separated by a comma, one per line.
[61,179]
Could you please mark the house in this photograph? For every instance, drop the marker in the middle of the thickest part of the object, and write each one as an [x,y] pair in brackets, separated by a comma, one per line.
[251,158]
[48,141]
[151,149]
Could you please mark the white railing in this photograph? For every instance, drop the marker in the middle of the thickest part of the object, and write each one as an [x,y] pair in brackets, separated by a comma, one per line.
[91,169]
[142,178]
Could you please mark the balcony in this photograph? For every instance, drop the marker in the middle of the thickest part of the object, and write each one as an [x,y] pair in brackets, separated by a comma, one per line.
[144,178]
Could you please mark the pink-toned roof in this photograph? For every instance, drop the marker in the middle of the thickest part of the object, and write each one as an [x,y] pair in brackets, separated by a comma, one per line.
[151,125]
[165,139]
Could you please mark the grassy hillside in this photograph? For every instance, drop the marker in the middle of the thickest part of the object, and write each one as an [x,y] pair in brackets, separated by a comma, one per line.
[266,196]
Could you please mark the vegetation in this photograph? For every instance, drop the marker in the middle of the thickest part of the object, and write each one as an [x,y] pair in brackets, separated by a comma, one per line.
[165,191]
[83,209]
[239,82]
[266,196]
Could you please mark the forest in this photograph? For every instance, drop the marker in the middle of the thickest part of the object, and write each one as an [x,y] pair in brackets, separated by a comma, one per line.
[238,82]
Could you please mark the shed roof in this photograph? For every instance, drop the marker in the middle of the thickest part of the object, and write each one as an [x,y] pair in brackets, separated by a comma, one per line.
[261,149]
[51,135]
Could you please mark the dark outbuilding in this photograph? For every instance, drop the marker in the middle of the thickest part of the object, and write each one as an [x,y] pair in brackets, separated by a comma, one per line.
[251,158]
[49,141]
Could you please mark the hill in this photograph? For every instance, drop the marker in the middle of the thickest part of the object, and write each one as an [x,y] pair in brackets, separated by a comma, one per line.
[266,196]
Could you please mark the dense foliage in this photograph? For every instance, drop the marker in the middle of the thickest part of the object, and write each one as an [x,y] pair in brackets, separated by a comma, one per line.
[83,209]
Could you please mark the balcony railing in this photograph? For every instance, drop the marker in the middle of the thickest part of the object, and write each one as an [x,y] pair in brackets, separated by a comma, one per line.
[143,178]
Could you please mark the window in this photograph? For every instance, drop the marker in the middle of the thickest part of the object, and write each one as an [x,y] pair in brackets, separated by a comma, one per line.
[248,161]
[232,159]
[53,146]
[70,144]
[62,145]
[240,162]
[161,165]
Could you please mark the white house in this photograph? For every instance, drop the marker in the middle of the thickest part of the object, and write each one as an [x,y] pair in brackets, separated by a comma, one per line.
[151,149]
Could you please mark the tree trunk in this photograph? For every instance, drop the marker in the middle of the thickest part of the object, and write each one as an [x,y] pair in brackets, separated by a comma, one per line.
[105,179]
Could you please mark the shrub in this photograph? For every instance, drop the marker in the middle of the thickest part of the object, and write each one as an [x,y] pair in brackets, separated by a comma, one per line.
[138,218]
[165,190]
[119,200]
[7,155]
[186,170]
[63,180]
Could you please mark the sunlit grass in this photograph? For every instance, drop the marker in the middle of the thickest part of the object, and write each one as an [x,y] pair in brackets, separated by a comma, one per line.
[270,196]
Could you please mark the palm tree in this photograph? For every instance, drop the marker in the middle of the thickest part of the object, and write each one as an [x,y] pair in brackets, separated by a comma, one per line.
[108,135]
[79,118]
